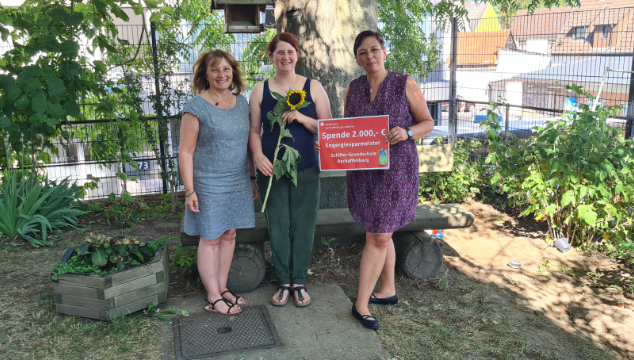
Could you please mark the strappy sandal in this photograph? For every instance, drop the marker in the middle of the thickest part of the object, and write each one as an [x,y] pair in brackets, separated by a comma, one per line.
[213,307]
[281,296]
[299,296]
[238,297]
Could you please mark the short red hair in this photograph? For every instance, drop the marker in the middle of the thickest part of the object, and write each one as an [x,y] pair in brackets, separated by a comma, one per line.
[285,37]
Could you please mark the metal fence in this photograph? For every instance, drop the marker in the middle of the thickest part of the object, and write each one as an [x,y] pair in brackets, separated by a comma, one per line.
[524,63]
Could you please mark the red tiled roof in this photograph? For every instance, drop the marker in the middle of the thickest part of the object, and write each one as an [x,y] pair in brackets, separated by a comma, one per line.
[593,15]
[480,48]
[542,24]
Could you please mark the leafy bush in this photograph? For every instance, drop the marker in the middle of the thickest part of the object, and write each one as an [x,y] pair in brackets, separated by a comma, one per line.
[575,174]
[457,185]
[119,212]
[185,257]
[102,255]
[30,205]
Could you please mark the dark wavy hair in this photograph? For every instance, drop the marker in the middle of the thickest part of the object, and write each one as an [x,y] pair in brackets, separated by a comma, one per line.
[364,34]
[213,57]
[285,37]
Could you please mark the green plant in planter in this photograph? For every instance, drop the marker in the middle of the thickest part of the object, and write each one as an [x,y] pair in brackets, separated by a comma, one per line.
[576,174]
[102,255]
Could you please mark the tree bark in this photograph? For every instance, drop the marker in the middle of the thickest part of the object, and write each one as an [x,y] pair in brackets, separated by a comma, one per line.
[326,30]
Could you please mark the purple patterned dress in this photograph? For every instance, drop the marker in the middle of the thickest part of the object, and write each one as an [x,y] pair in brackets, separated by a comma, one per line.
[383,201]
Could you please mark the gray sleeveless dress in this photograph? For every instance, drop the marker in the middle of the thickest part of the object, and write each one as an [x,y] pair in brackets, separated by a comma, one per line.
[221,170]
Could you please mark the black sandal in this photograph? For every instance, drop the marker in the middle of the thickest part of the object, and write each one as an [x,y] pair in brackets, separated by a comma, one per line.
[280,296]
[238,297]
[299,296]
[213,307]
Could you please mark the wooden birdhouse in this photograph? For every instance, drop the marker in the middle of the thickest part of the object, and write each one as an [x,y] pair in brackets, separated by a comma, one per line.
[242,16]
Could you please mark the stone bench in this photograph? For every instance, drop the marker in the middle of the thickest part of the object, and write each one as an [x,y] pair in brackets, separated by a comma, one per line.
[416,253]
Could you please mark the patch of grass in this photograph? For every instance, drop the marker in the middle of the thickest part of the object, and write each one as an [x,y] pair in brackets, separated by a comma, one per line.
[31,329]
[470,323]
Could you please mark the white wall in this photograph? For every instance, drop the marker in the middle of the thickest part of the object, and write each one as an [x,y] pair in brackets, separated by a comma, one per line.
[537,46]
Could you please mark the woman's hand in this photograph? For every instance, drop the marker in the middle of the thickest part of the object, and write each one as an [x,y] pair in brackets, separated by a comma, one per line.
[254,189]
[294,115]
[317,146]
[192,203]
[264,165]
[396,135]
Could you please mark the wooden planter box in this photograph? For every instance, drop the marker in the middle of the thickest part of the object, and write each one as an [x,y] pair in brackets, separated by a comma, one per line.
[118,294]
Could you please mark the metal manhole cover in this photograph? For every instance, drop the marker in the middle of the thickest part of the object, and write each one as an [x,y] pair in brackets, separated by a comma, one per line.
[211,334]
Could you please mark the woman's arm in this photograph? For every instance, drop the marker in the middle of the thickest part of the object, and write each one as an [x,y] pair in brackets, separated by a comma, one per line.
[255,139]
[424,124]
[186,150]
[322,108]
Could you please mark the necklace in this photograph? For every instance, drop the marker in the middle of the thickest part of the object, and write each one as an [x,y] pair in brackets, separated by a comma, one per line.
[278,85]
[371,89]
[219,101]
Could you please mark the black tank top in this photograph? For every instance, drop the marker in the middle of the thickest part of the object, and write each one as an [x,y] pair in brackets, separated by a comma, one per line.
[304,139]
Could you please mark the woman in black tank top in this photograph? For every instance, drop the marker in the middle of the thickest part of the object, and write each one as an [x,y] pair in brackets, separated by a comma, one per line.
[291,212]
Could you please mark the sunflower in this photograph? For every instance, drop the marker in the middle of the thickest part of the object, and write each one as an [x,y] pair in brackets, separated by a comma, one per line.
[295,98]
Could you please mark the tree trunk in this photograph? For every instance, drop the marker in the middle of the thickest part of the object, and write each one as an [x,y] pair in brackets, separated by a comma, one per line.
[326,30]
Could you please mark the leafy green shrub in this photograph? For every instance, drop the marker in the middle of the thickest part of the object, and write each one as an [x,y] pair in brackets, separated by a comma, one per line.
[120,212]
[457,185]
[185,256]
[30,205]
[576,174]
[102,255]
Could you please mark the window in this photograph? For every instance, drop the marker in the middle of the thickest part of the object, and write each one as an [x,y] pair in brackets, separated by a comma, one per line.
[526,25]
[606,31]
[579,33]
[556,22]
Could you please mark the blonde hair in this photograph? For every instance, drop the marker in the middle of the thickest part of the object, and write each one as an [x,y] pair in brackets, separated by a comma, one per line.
[213,57]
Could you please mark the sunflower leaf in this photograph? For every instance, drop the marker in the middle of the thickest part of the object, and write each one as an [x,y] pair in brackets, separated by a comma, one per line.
[278,97]
[286,133]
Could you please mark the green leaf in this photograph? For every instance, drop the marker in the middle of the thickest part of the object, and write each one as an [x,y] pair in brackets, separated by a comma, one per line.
[83,249]
[568,198]
[56,88]
[156,17]
[71,108]
[278,169]
[56,110]
[185,313]
[286,133]
[587,213]
[99,258]
[69,49]
[168,311]
[163,317]
[22,102]
[39,104]
[75,19]
[100,66]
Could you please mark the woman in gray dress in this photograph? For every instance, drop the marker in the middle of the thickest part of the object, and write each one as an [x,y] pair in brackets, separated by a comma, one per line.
[215,165]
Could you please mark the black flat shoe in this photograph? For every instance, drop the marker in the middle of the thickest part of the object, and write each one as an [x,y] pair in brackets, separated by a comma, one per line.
[392,300]
[366,320]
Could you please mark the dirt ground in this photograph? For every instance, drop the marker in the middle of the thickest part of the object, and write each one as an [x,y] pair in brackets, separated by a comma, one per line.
[576,291]
[557,306]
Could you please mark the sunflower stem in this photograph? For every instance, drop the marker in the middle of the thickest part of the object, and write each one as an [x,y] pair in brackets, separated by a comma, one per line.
[277,150]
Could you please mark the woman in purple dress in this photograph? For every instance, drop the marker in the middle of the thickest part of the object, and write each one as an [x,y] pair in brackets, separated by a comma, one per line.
[383,201]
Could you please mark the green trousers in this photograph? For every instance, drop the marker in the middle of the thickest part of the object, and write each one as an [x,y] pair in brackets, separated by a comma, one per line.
[291,214]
